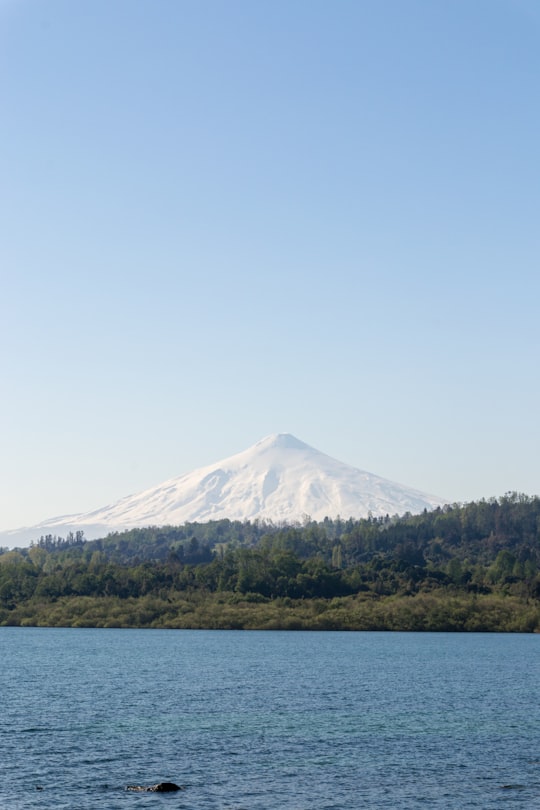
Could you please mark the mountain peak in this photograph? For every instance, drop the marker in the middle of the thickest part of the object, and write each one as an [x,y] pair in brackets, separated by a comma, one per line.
[285,441]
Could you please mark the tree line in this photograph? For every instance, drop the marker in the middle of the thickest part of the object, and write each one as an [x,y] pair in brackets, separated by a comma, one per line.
[482,551]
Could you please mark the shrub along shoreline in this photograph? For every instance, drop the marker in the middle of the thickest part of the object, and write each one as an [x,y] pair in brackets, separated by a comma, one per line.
[434,612]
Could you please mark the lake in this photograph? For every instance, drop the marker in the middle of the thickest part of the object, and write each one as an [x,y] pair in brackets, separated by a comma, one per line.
[269,720]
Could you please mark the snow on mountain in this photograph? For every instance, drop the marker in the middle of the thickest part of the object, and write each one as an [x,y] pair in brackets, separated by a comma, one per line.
[279,479]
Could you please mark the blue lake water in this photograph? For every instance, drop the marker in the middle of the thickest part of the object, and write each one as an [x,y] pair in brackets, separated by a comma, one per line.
[268,721]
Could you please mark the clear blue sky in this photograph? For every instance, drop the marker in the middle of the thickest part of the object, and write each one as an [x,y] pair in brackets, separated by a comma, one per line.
[224,219]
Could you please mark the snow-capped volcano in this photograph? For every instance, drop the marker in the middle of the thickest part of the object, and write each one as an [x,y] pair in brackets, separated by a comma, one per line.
[279,479]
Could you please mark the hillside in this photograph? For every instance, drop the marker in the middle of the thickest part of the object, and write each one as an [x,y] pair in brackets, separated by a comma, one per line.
[471,567]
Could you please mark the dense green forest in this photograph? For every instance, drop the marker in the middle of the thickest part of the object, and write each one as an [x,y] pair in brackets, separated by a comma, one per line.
[463,567]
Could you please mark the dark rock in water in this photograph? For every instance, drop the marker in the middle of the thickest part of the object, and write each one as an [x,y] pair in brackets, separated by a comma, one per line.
[165,787]
[161,787]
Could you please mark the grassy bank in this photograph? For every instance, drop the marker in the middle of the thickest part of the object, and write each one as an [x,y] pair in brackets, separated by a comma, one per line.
[437,611]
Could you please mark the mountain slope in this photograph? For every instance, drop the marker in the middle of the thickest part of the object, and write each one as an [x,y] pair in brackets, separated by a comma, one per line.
[279,478]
